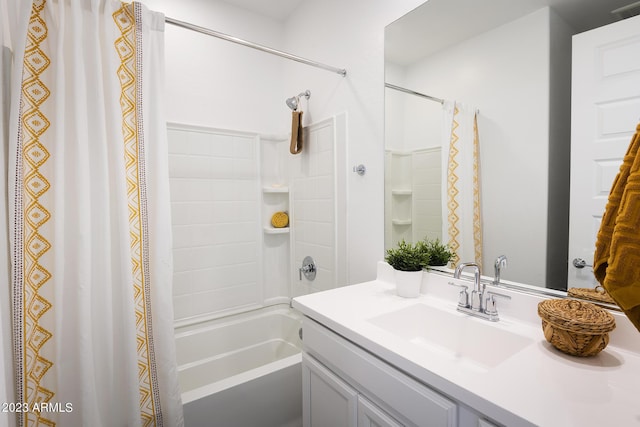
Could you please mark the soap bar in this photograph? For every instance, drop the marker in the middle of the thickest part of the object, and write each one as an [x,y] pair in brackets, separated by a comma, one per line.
[280,220]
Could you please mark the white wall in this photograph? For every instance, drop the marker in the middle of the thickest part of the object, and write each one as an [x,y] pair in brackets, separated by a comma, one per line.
[212,82]
[395,103]
[506,74]
[350,35]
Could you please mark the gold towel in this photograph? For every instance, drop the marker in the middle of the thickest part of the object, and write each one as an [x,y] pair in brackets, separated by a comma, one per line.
[616,262]
[296,132]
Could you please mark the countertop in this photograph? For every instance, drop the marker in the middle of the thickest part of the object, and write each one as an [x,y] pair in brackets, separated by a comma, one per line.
[537,385]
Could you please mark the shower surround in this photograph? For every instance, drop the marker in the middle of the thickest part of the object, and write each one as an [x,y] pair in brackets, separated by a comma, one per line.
[228,259]
[225,185]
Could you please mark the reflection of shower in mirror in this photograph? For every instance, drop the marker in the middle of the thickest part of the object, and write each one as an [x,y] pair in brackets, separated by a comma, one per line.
[295,100]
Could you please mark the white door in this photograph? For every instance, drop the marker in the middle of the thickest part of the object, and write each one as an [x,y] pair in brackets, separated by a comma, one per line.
[605,111]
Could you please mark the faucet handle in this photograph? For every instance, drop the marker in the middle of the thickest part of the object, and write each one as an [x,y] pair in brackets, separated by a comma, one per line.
[463,298]
[490,307]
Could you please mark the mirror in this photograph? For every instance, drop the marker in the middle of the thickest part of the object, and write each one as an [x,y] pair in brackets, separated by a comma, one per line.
[512,61]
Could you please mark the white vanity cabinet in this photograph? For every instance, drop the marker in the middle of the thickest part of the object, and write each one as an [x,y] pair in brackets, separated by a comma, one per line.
[329,401]
[369,361]
[344,385]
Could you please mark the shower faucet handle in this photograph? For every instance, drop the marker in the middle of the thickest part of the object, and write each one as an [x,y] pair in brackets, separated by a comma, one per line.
[360,169]
[308,269]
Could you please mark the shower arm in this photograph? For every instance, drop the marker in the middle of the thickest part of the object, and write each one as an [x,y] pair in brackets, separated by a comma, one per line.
[295,100]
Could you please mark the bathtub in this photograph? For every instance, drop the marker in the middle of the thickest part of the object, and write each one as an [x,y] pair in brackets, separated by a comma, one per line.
[243,370]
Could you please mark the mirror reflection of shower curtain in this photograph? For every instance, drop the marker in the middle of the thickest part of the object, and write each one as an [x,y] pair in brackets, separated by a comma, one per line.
[462,222]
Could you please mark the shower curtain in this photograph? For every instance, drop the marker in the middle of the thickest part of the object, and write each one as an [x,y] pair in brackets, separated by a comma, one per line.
[89,217]
[462,224]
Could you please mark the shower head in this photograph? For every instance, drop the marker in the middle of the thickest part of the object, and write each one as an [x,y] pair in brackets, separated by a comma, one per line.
[292,103]
[295,100]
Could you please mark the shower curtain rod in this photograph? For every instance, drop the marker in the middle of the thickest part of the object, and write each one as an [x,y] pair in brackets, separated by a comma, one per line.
[413,92]
[252,45]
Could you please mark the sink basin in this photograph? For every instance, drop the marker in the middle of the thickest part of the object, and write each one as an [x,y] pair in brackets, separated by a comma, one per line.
[476,343]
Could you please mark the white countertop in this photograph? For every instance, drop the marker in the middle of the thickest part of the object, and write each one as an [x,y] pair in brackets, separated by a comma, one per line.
[537,385]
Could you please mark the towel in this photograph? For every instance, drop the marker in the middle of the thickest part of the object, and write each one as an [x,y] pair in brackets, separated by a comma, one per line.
[296,132]
[616,262]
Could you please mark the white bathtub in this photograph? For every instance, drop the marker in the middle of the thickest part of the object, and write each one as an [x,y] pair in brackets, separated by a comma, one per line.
[243,370]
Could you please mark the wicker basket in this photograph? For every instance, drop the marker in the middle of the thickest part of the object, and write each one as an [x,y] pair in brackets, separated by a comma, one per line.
[598,294]
[576,327]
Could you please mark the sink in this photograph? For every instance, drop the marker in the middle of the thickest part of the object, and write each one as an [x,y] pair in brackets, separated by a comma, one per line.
[475,343]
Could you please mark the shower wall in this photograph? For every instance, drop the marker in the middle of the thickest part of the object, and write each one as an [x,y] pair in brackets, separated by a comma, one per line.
[413,195]
[215,202]
[225,186]
[316,203]
[426,182]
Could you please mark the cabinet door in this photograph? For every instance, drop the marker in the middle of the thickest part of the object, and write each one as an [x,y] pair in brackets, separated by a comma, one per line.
[485,423]
[327,401]
[411,402]
[369,415]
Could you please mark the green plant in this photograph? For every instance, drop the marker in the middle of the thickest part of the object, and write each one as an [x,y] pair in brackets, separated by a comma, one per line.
[438,252]
[407,256]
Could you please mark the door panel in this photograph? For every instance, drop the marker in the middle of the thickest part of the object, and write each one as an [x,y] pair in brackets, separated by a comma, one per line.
[605,110]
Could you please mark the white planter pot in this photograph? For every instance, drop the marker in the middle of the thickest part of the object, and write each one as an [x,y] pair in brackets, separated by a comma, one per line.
[408,283]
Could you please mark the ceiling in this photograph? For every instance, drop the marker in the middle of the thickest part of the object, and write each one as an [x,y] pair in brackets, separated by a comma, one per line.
[434,22]
[277,9]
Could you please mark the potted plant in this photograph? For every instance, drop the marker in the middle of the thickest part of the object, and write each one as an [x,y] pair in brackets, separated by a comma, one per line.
[408,260]
[439,253]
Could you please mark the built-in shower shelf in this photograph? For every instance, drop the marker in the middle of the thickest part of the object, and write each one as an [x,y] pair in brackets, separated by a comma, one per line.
[401,192]
[272,230]
[401,221]
[275,189]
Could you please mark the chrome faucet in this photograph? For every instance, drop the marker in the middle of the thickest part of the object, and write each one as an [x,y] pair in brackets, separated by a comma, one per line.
[479,307]
[478,287]
[501,262]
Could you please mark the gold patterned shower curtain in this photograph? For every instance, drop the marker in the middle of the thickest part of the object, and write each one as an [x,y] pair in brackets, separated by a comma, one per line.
[90,229]
[462,225]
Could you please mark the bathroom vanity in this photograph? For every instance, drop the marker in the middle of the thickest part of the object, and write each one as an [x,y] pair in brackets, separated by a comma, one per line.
[372,358]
